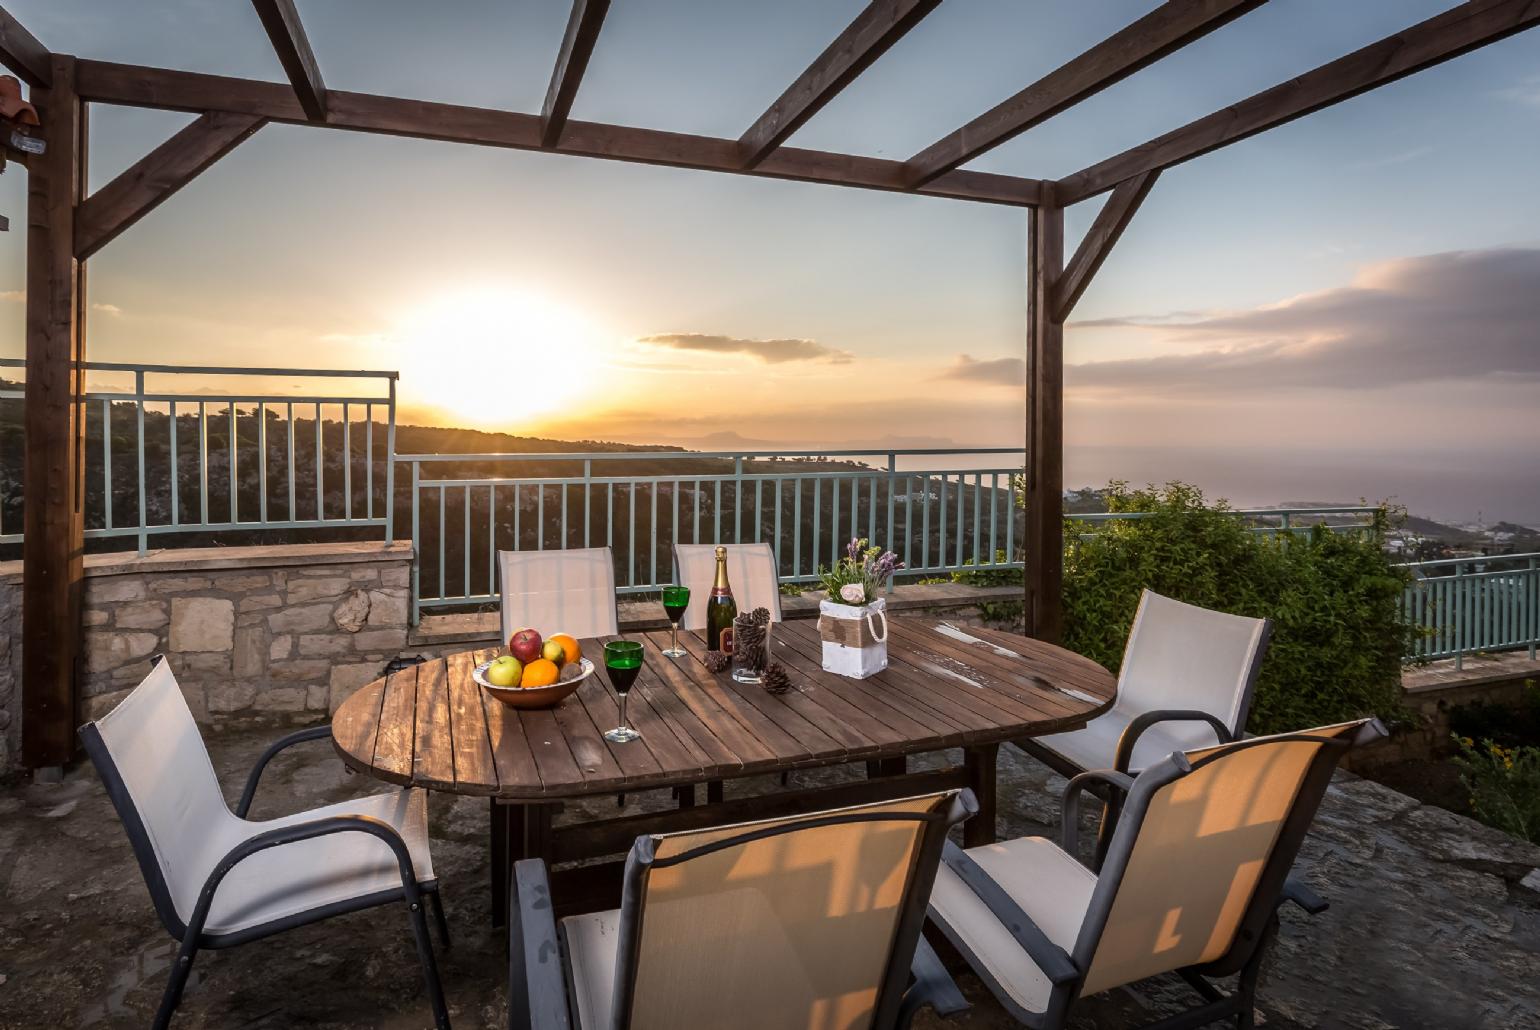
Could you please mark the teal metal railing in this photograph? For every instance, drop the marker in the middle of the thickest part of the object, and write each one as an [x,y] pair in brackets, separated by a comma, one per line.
[1463,606]
[165,461]
[940,510]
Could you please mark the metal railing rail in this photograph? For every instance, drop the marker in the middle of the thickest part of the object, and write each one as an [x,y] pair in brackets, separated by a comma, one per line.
[215,481]
[1295,521]
[1463,606]
[807,514]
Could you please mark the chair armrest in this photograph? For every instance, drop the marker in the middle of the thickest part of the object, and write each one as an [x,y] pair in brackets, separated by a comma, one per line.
[1053,960]
[932,986]
[1135,729]
[305,831]
[1069,806]
[537,987]
[299,737]
[1307,899]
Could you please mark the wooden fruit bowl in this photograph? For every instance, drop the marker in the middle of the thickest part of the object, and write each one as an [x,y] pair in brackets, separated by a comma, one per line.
[534,697]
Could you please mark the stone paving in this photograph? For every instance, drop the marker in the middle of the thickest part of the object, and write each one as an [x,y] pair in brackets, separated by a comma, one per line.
[1435,920]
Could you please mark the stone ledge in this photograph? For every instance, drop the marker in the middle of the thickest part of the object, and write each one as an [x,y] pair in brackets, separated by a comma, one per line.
[179,559]
[483,627]
[1479,669]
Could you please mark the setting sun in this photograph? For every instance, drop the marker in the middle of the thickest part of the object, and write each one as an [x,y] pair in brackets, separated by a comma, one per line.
[494,358]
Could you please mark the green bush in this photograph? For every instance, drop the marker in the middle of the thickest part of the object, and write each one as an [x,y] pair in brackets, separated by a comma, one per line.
[1338,636]
[1504,724]
[1504,785]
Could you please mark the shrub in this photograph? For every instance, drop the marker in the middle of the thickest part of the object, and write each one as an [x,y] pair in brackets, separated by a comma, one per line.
[1338,636]
[1504,785]
[1504,724]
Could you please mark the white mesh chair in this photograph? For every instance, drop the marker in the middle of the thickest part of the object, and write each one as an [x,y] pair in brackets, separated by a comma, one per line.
[571,591]
[1187,678]
[1192,882]
[751,570]
[810,921]
[218,879]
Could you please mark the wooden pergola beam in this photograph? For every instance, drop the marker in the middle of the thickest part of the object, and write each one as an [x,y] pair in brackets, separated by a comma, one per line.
[104,82]
[1099,241]
[1457,31]
[283,26]
[21,52]
[577,46]
[1044,477]
[111,210]
[1164,30]
[873,32]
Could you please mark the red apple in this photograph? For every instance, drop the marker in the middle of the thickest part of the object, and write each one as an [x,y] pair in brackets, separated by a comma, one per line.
[525,645]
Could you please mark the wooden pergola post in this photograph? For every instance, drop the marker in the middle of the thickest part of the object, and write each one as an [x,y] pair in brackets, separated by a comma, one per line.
[1044,494]
[54,477]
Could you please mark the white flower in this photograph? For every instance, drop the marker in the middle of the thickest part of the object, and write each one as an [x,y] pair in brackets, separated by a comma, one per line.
[855,593]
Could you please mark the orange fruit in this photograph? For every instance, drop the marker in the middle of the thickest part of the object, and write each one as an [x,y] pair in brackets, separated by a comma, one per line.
[568,644]
[539,673]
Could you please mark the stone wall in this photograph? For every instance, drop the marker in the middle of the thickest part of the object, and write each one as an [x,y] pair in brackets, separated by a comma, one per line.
[283,631]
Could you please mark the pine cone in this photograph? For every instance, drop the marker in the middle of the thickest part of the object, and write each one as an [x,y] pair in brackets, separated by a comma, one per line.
[777,680]
[717,661]
[761,616]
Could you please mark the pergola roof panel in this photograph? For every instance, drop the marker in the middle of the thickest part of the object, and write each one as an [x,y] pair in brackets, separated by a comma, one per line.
[704,67]
[1269,45]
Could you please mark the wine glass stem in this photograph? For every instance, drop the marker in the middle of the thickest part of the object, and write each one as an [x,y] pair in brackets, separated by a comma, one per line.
[623,723]
[673,644]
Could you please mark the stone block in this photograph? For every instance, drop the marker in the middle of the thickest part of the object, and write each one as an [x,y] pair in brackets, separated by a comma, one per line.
[93,617]
[281,699]
[352,612]
[243,583]
[107,650]
[178,584]
[392,640]
[311,618]
[142,615]
[251,651]
[260,602]
[396,576]
[303,589]
[202,624]
[109,589]
[282,647]
[207,663]
[133,672]
[346,679]
[299,670]
[364,576]
[93,708]
[233,696]
[315,697]
[324,645]
[387,607]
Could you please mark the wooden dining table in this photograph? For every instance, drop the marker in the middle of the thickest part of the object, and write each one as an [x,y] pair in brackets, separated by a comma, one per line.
[431,726]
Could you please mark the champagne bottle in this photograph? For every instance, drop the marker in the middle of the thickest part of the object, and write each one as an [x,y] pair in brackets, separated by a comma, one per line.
[721,609]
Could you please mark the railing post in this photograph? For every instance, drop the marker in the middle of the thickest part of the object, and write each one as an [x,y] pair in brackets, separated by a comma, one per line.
[144,538]
[390,484]
[887,540]
[588,475]
[416,543]
[1460,613]
[1531,597]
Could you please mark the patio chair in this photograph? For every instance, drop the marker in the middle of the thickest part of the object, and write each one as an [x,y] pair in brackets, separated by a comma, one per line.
[218,879]
[810,921]
[1186,681]
[570,591]
[751,569]
[1192,884]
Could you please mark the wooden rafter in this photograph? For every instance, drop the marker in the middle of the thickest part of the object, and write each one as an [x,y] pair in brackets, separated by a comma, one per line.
[104,82]
[577,46]
[140,189]
[21,52]
[873,32]
[282,23]
[1099,241]
[1168,28]
[1043,492]
[1457,31]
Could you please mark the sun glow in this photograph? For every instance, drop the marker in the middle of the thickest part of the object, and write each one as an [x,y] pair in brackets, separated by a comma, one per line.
[495,358]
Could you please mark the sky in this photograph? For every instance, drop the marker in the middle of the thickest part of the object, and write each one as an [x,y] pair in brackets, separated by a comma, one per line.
[1347,307]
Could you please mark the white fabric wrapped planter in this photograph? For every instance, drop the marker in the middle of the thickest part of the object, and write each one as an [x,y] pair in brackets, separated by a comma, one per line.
[855,637]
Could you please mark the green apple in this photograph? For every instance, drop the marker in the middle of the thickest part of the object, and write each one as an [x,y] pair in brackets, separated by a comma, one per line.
[505,671]
[554,653]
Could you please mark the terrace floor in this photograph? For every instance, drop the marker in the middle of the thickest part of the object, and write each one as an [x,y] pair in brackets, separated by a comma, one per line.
[1435,920]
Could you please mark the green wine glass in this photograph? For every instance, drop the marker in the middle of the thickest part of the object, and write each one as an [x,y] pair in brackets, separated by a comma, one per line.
[675,600]
[622,664]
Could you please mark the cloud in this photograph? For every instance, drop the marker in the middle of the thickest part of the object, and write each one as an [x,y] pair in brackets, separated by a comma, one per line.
[771,352]
[13,296]
[1007,371]
[1458,316]
[107,309]
[1526,92]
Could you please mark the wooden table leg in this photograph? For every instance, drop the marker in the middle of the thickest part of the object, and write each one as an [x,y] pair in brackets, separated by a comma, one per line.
[500,817]
[979,762]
